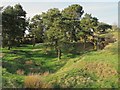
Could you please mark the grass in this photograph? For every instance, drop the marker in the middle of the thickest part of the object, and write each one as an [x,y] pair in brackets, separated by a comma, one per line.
[89,69]
[99,66]
[35,81]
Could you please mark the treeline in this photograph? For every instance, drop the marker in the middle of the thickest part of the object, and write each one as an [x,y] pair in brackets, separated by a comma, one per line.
[55,28]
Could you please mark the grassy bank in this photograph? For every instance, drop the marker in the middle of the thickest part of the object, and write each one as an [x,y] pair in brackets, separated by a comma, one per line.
[89,69]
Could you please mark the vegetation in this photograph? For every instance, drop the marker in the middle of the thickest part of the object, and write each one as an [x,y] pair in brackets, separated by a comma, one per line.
[62,50]
[14,25]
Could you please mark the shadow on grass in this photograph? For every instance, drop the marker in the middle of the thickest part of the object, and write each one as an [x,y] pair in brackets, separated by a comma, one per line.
[41,62]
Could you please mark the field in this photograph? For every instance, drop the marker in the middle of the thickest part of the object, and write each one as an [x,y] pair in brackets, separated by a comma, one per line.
[89,69]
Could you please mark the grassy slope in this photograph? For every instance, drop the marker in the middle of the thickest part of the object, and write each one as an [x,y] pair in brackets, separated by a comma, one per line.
[92,69]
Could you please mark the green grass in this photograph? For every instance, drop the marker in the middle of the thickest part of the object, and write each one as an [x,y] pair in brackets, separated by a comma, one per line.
[76,67]
[89,69]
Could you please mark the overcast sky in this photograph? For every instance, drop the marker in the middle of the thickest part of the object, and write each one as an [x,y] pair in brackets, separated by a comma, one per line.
[105,10]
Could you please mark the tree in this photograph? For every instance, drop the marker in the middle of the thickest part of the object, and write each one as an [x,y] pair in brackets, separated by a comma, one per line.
[20,21]
[36,28]
[14,25]
[55,30]
[72,15]
[89,26]
[62,27]
[1,25]
[102,27]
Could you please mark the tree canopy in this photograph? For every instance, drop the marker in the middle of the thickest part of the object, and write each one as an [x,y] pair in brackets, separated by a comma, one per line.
[53,27]
[14,24]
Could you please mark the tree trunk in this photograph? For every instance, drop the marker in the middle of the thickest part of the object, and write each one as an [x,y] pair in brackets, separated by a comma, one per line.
[95,46]
[58,50]
[102,45]
[59,54]
[73,36]
[95,43]
[33,44]
[9,45]
[33,41]
[84,43]
[18,42]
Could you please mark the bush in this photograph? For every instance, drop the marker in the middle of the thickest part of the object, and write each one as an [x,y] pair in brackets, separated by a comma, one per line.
[35,81]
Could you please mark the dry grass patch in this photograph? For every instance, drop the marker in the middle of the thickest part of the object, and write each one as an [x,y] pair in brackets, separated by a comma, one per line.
[101,69]
[20,72]
[29,62]
[35,81]
[1,55]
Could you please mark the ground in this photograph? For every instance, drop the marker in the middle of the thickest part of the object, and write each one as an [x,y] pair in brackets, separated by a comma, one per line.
[89,69]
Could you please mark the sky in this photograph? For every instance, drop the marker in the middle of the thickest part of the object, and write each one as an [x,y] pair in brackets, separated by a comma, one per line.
[60,0]
[105,10]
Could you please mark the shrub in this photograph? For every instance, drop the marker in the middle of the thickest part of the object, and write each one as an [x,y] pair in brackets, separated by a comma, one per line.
[35,81]
[20,72]
[46,73]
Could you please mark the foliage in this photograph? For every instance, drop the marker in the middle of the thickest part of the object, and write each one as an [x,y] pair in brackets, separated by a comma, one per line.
[55,34]
[72,15]
[36,29]
[88,26]
[61,27]
[102,27]
[66,36]
[14,25]
[80,71]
